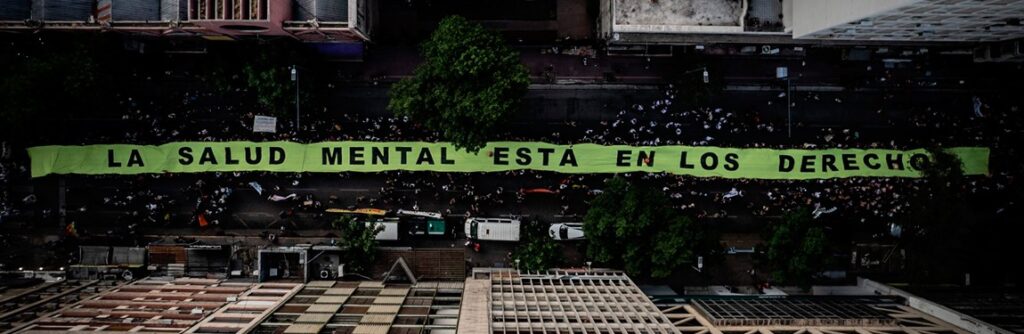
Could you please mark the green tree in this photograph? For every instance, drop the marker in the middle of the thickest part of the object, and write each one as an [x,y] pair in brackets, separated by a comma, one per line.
[359,239]
[469,84]
[536,251]
[796,248]
[55,81]
[270,84]
[264,77]
[938,228]
[260,74]
[634,226]
[690,88]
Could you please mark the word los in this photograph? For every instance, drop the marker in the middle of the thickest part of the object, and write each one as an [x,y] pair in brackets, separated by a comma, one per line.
[354,156]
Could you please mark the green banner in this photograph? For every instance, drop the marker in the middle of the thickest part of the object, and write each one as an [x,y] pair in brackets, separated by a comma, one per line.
[357,156]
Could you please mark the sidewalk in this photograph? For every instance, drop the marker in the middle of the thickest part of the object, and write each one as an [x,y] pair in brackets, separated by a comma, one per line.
[389,64]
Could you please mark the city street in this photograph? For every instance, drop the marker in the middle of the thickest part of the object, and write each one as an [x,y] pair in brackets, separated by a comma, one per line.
[514,166]
[894,97]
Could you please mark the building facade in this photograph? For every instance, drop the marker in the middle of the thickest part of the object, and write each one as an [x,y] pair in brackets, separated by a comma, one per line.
[306,20]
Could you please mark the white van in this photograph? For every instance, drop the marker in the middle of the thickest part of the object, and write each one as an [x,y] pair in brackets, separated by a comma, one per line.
[493,229]
[390,230]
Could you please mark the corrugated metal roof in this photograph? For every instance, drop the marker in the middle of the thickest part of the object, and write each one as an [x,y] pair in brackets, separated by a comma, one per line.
[339,291]
[323,308]
[377,319]
[371,329]
[62,10]
[322,10]
[303,329]
[173,10]
[766,11]
[394,292]
[15,10]
[320,284]
[389,300]
[314,318]
[392,309]
[450,285]
[332,300]
[135,10]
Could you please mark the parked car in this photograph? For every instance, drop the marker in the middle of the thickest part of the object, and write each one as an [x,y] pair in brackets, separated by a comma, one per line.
[492,229]
[566,231]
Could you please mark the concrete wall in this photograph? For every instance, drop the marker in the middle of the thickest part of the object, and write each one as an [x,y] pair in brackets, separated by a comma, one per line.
[810,16]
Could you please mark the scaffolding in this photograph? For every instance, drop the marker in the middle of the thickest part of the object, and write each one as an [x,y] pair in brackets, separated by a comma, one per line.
[570,302]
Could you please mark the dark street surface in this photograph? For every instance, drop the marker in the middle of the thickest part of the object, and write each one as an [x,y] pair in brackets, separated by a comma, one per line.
[876,100]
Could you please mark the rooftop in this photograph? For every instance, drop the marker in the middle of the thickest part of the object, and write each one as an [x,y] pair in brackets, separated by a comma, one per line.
[563,301]
[806,310]
[368,307]
[601,300]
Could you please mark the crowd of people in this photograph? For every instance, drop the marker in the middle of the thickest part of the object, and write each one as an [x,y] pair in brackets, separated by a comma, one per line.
[214,199]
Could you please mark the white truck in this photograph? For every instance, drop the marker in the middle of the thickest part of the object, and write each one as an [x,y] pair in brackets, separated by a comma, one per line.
[492,229]
[389,230]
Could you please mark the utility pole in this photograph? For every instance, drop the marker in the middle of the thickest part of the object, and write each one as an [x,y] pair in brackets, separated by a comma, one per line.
[789,111]
[782,72]
[704,73]
[298,112]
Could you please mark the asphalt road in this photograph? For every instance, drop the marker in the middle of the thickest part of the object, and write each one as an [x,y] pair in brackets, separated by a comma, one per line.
[818,101]
[741,84]
[551,110]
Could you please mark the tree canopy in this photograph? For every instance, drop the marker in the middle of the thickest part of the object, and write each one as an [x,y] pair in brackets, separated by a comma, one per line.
[469,84]
[635,227]
[796,248]
[263,73]
[359,239]
[536,250]
[939,225]
[52,80]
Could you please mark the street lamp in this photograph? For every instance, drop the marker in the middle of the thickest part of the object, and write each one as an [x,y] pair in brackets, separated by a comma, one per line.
[295,78]
[704,73]
[517,264]
[782,72]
